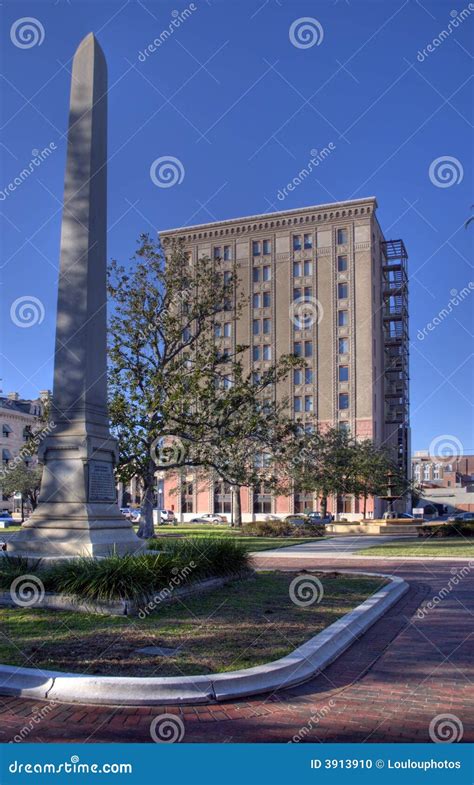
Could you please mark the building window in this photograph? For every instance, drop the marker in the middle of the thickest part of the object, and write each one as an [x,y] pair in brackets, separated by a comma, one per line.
[217,252]
[267,273]
[267,326]
[303,502]
[343,373]
[256,300]
[342,236]
[436,472]
[296,269]
[227,277]
[266,299]
[343,400]
[297,294]
[308,241]
[262,500]
[187,497]
[297,403]
[308,403]
[267,247]
[256,377]
[298,349]
[342,291]
[308,376]
[227,253]
[256,274]
[256,353]
[222,497]
[227,329]
[308,267]
[297,376]
[256,326]
[343,345]
[6,431]
[217,330]
[297,242]
[27,432]
[426,472]
[256,248]
[308,348]
[267,352]
[344,427]
[342,318]
[341,264]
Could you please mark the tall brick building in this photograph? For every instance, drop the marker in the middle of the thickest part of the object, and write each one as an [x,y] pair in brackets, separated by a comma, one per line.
[321,282]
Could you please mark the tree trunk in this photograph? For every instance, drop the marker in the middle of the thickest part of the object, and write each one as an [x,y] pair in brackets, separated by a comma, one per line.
[324,505]
[146,528]
[237,507]
[365,505]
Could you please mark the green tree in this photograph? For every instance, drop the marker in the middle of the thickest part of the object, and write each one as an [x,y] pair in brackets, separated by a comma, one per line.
[323,463]
[23,479]
[178,398]
[372,466]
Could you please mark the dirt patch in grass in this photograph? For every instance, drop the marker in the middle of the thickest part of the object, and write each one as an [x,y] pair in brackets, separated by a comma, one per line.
[243,624]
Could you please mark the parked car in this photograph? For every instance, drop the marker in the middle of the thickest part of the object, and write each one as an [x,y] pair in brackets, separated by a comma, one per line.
[317,517]
[406,515]
[458,517]
[6,520]
[164,516]
[209,517]
[126,511]
[135,515]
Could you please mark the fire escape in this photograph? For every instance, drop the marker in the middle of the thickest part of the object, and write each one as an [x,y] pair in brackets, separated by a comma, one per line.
[396,345]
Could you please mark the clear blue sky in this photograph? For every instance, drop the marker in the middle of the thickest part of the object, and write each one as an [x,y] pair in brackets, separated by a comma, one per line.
[241,107]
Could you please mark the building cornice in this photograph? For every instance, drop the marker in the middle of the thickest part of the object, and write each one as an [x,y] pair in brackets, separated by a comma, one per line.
[262,221]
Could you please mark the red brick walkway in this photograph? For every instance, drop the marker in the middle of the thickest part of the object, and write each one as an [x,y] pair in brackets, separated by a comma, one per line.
[388,686]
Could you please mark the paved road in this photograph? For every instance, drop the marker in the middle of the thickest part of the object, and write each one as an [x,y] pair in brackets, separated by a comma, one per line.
[390,685]
[335,547]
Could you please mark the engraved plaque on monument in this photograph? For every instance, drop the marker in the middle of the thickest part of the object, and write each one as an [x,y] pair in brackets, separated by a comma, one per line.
[101,482]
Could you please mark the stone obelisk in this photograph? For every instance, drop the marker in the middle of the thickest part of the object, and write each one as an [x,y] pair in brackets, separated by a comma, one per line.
[77,512]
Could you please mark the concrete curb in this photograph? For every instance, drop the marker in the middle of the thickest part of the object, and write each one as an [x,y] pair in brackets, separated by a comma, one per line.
[303,663]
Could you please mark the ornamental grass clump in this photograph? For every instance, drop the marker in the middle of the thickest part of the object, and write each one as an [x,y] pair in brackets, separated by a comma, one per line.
[211,556]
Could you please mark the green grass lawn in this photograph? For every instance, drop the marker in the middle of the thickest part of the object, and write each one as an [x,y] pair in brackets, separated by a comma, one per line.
[450,546]
[216,530]
[245,623]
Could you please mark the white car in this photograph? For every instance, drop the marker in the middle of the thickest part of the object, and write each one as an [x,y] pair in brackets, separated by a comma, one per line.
[461,516]
[209,517]
[166,516]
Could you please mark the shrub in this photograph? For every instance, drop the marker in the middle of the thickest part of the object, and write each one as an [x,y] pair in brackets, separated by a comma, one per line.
[455,529]
[12,567]
[213,556]
[268,529]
